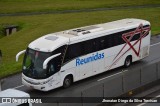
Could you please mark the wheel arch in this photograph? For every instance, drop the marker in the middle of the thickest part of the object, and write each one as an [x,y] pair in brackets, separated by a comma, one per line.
[131,57]
[71,76]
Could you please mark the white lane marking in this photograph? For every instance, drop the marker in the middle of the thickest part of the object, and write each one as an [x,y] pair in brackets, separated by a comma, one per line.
[112,75]
[146,103]
[141,104]
[155,44]
[157,96]
[18,87]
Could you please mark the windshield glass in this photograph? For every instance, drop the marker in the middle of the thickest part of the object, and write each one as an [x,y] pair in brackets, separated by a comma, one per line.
[33,64]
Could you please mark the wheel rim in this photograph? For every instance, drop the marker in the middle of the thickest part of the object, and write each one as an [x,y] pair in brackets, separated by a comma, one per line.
[128,62]
[67,82]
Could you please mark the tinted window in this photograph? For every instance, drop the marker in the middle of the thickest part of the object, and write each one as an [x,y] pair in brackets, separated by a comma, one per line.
[73,51]
[99,43]
[55,64]
[88,47]
[33,64]
[135,37]
[109,41]
[93,45]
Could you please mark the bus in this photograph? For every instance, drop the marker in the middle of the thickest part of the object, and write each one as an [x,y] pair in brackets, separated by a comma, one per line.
[61,58]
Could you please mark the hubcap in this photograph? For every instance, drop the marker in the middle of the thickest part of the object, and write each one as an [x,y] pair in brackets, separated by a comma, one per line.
[67,82]
[128,62]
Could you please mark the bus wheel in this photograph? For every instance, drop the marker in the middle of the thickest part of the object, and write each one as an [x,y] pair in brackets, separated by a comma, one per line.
[67,82]
[128,61]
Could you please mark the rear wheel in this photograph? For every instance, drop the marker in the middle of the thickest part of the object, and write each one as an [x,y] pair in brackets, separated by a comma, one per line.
[128,61]
[67,82]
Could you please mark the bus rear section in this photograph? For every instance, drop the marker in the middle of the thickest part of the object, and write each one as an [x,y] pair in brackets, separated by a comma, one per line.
[119,44]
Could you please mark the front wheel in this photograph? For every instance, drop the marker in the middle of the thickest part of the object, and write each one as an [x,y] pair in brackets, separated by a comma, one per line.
[128,61]
[67,82]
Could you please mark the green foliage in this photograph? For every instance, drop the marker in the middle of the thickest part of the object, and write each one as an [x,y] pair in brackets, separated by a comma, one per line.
[1,31]
[19,6]
[32,27]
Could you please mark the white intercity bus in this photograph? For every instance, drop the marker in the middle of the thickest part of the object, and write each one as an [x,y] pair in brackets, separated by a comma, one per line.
[61,58]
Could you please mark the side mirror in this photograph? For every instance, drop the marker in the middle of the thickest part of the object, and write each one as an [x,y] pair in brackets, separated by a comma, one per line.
[48,59]
[18,54]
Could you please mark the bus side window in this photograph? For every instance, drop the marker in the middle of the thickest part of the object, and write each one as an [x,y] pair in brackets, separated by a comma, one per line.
[109,41]
[57,61]
[73,51]
[121,41]
[115,40]
[87,47]
[99,44]
[136,37]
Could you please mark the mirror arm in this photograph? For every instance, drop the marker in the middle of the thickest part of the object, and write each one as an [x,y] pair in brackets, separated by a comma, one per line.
[48,59]
[18,54]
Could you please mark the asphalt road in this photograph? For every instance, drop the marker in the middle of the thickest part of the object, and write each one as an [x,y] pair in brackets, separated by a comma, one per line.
[154,95]
[15,81]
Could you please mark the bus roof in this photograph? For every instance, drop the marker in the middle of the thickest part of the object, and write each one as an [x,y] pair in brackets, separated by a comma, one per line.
[114,25]
[48,43]
[52,41]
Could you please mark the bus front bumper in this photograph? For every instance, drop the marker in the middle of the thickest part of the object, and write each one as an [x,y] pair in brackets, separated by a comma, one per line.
[38,87]
[42,85]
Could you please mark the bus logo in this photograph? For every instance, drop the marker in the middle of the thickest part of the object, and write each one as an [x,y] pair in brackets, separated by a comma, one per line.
[93,57]
[127,38]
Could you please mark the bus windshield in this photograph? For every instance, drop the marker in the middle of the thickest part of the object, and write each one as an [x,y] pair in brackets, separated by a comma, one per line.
[33,64]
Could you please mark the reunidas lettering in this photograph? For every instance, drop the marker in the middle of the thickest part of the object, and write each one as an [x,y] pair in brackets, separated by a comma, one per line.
[94,57]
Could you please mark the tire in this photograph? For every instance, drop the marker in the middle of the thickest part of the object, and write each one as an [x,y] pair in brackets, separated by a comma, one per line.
[128,61]
[67,82]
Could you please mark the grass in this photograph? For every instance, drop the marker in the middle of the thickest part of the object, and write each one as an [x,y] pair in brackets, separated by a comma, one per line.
[18,6]
[5,25]
[1,32]
[39,25]
[33,27]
